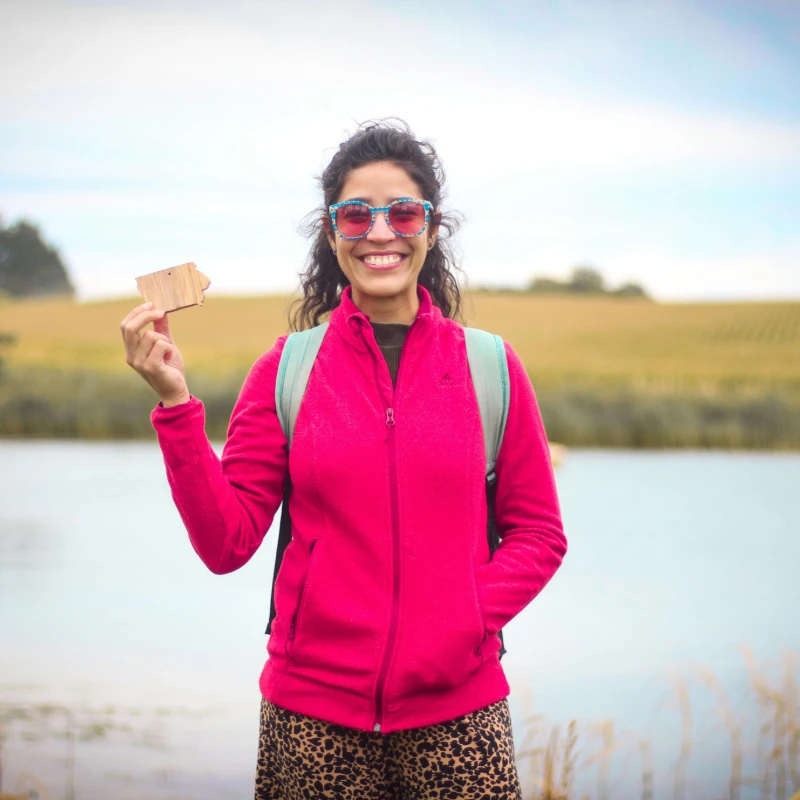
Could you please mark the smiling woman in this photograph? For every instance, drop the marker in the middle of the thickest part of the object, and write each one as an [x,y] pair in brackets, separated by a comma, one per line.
[384,676]
[382,201]
[387,246]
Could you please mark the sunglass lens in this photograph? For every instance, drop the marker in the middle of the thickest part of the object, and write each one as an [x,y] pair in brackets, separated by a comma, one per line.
[407,218]
[353,219]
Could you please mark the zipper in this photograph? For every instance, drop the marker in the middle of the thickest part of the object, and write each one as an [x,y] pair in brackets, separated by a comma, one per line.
[394,621]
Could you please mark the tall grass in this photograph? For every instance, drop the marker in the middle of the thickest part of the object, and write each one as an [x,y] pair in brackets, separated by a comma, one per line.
[43,403]
[764,743]
[763,730]
[51,403]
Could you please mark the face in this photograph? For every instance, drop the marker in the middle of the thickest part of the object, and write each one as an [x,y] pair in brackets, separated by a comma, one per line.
[382,267]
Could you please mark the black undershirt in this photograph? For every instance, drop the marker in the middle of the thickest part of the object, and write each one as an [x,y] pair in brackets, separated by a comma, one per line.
[390,337]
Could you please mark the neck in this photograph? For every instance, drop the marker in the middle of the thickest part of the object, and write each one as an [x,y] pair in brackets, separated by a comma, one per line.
[402,309]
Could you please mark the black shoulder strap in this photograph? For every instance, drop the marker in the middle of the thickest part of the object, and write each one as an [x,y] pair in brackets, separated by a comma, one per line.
[493,533]
[284,537]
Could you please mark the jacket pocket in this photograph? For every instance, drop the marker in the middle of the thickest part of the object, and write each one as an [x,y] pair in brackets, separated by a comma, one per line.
[480,650]
[440,657]
[444,641]
[299,606]
[478,602]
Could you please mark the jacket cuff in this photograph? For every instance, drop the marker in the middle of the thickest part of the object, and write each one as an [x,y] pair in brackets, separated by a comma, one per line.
[178,429]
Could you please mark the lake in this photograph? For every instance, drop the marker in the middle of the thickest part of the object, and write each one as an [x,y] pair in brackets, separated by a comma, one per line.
[130,671]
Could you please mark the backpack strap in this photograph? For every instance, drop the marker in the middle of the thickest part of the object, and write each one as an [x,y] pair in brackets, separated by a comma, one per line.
[294,370]
[488,366]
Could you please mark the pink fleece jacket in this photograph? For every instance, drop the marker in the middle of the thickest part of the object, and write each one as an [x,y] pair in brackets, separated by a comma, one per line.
[388,605]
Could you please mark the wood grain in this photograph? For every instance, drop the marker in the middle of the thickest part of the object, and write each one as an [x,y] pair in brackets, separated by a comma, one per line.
[174,288]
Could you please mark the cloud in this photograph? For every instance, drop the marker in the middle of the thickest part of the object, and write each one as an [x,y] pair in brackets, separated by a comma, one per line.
[153,79]
[150,126]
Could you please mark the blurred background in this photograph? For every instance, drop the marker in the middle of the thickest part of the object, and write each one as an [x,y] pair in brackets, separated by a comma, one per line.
[629,178]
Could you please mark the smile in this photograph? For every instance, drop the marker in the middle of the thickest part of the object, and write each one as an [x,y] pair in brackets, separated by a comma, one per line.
[388,261]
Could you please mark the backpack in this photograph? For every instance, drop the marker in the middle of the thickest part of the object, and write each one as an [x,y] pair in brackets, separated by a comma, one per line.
[489,369]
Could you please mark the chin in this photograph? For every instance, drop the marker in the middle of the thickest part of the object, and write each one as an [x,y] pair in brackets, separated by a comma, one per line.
[385,286]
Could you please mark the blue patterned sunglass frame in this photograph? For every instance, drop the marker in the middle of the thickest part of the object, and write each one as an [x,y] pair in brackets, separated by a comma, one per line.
[426,205]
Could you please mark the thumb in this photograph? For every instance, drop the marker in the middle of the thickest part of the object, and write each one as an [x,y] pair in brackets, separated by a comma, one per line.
[161,325]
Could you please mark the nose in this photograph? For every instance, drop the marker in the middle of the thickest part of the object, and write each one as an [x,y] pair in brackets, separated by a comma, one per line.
[380,232]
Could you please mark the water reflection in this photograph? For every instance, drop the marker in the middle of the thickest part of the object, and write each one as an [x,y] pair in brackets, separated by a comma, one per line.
[25,544]
[742,741]
[116,640]
[51,744]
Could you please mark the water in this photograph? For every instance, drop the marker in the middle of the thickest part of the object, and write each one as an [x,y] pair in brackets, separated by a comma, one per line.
[112,628]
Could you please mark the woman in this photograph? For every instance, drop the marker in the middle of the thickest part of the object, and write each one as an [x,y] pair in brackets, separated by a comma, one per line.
[383,678]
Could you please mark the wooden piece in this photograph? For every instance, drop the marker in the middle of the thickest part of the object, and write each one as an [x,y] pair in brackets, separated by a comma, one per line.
[174,288]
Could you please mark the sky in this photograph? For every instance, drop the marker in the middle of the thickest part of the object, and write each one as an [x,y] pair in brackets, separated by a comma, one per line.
[658,141]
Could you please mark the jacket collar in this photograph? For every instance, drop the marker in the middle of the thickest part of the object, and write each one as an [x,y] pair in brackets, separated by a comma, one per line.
[348,319]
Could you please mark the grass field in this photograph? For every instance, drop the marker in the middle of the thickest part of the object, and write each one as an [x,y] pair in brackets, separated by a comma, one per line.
[607,370]
[560,339]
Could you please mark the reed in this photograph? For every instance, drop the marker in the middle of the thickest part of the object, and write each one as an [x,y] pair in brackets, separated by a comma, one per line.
[764,742]
[60,403]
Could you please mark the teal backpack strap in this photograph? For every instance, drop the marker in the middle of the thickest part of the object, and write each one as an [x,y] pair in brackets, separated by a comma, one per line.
[488,366]
[294,370]
[297,361]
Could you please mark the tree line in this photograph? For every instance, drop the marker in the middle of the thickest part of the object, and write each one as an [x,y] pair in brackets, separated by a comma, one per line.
[585,280]
[582,281]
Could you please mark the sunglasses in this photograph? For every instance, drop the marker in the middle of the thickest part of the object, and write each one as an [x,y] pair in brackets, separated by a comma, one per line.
[353,219]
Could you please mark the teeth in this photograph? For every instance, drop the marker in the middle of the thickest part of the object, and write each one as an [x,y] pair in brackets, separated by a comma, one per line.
[382,261]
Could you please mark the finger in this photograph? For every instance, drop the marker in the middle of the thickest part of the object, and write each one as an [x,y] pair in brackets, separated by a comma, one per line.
[134,312]
[134,322]
[159,356]
[131,331]
[144,347]
[161,325]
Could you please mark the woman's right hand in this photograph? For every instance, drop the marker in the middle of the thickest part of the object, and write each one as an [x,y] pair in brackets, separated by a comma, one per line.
[154,355]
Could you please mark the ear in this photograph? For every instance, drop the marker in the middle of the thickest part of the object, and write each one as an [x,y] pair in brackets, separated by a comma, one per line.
[330,233]
[433,227]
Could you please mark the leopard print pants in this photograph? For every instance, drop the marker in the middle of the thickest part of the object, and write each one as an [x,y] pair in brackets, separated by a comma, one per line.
[471,757]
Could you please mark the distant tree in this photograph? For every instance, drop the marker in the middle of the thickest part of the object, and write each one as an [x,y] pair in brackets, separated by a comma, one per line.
[547,285]
[28,265]
[630,290]
[585,280]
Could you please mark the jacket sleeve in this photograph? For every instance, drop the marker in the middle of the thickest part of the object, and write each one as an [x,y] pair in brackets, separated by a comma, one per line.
[227,504]
[528,516]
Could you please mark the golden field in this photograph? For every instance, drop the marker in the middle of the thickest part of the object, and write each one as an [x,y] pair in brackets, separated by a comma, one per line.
[561,340]
[611,372]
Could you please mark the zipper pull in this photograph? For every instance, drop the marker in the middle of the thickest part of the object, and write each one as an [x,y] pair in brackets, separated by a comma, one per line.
[390,417]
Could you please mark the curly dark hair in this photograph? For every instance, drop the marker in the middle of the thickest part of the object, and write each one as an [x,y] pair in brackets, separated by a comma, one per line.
[322,280]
